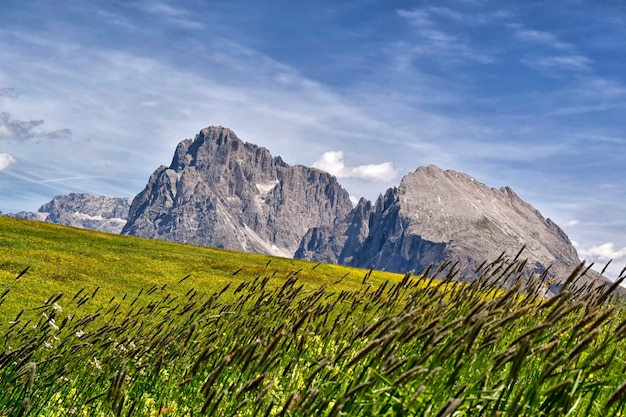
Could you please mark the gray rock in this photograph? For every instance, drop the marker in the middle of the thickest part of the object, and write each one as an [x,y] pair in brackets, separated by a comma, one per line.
[106,214]
[436,215]
[222,192]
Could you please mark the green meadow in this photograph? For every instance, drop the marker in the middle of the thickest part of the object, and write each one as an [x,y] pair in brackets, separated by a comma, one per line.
[64,260]
[94,324]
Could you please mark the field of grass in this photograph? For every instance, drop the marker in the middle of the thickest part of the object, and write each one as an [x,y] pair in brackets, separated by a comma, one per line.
[64,260]
[103,325]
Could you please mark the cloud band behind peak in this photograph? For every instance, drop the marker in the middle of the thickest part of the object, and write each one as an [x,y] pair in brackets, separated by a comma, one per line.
[333,162]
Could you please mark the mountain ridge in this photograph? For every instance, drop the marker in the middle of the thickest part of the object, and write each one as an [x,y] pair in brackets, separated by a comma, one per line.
[219,191]
[436,215]
[86,211]
[223,192]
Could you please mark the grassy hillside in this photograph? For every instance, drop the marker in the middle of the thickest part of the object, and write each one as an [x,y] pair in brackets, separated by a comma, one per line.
[252,335]
[63,260]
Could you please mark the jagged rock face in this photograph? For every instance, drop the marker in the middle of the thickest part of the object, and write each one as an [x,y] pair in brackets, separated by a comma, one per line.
[222,192]
[106,214]
[435,215]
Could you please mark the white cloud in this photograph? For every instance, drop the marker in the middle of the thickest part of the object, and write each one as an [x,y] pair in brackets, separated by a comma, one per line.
[470,18]
[572,223]
[567,58]
[565,62]
[603,257]
[162,8]
[538,37]
[415,17]
[603,252]
[425,16]
[178,16]
[333,162]
[6,161]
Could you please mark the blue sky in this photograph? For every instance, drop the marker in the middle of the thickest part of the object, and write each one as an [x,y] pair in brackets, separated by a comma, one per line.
[95,95]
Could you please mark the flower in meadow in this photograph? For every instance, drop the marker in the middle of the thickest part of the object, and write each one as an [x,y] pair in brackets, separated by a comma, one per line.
[80,333]
[53,324]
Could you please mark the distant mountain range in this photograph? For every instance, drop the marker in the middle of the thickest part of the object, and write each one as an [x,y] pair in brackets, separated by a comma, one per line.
[106,214]
[221,192]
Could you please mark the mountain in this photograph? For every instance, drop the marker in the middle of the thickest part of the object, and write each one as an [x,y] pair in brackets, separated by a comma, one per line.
[219,191]
[436,215]
[106,214]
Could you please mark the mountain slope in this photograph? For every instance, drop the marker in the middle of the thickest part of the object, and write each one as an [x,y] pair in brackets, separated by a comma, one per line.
[222,192]
[436,215]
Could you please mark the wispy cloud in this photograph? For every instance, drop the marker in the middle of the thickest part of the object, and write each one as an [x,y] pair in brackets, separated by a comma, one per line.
[179,16]
[556,54]
[474,18]
[20,130]
[583,94]
[563,62]
[162,8]
[8,92]
[17,129]
[333,162]
[416,17]
[595,87]
[41,44]
[435,39]
[6,161]
[538,37]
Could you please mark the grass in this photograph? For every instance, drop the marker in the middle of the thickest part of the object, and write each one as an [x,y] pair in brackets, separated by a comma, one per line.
[63,260]
[288,338]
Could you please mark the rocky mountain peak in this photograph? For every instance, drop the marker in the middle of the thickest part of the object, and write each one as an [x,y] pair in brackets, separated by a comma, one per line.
[220,191]
[106,214]
[435,215]
[224,148]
